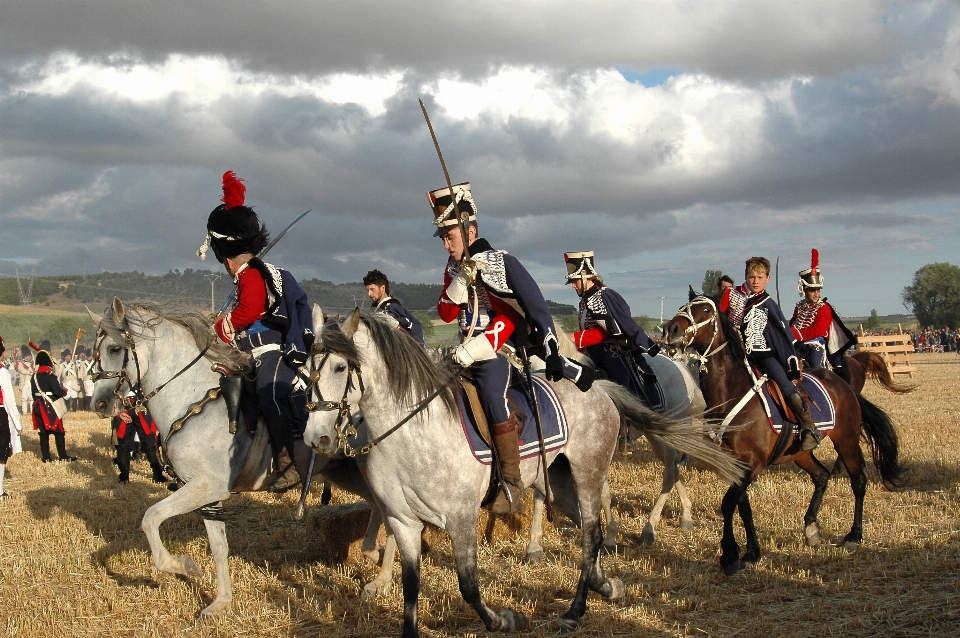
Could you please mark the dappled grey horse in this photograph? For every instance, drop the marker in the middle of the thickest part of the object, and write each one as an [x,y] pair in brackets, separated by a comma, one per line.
[421,469]
[170,352]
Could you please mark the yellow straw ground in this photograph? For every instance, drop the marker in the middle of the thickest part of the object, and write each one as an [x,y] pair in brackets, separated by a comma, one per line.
[75,563]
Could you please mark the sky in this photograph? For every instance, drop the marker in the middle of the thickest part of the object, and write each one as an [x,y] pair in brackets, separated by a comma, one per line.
[669,137]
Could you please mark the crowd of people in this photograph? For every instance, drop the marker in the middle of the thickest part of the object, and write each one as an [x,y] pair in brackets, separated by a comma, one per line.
[932,339]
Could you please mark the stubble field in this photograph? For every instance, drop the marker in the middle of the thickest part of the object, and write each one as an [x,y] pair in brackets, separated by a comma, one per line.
[73,561]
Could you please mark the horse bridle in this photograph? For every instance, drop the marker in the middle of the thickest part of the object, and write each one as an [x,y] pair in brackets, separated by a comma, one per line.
[140,399]
[343,425]
[691,331]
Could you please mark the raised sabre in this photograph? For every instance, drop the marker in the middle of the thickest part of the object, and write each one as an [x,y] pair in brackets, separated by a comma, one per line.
[263,254]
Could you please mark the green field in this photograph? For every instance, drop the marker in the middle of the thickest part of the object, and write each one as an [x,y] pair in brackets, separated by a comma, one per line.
[21,324]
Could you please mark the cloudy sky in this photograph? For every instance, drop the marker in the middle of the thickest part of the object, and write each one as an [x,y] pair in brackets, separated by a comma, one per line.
[669,137]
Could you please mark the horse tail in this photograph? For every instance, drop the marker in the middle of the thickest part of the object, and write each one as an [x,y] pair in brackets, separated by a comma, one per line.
[680,435]
[879,433]
[875,367]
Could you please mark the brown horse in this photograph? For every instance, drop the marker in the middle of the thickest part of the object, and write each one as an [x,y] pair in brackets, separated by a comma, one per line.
[860,366]
[707,335]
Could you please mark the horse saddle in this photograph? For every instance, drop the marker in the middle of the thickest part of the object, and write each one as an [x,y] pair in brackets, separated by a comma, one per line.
[477,430]
[822,408]
[651,392]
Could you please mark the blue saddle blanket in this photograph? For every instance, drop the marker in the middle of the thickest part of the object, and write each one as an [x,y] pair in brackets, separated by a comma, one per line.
[650,393]
[821,405]
[555,431]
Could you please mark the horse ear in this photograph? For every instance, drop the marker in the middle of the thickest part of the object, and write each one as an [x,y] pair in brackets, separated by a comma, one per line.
[118,314]
[317,318]
[692,294]
[350,326]
[96,319]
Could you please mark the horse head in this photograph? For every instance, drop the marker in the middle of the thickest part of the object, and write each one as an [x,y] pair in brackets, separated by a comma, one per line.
[696,325]
[119,360]
[332,395]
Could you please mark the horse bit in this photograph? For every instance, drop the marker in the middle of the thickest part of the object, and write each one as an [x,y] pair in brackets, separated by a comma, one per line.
[691,332]
[343,426]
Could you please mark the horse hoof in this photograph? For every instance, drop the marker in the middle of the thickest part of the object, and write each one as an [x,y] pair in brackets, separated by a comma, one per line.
[609,548]
[372,554]
[750,557]
[617,589]
[216,608]
[648,537]
[512,621]
[733,568]
[372,589]
[686,523]
[567,625]
[532,558]
[850,546]
[811,535]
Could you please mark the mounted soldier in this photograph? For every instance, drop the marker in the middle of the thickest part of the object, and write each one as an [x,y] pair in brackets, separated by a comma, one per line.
[378,289]
[48,408]
[769,341]
[497,303]
[270,319]
[608,333]
[816,325]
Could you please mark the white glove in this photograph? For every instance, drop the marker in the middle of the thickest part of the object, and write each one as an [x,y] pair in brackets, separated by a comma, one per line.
[457,290]
[477,349]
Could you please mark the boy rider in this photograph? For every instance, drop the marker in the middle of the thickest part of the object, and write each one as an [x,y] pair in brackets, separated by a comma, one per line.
[768,340]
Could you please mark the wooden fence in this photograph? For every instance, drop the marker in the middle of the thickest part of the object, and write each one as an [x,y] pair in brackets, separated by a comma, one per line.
[896,350]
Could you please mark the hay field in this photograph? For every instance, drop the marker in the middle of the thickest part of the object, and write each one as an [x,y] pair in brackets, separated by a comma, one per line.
[73,561]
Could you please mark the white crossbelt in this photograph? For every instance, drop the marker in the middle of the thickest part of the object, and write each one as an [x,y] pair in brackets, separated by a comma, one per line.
[259,350]
[756,389]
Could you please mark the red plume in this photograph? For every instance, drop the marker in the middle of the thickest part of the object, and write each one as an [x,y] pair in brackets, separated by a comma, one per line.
[233,190]
[35,346]
[814,261]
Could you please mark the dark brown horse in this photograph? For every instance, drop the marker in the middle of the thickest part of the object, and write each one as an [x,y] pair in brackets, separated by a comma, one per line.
[703,332]
[860,366]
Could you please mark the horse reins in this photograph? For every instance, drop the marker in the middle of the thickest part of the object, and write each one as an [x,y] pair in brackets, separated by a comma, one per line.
[691,331]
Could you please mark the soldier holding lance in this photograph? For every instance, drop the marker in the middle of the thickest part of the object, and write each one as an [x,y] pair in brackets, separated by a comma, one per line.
[25,370]
[497,303]
[270,319]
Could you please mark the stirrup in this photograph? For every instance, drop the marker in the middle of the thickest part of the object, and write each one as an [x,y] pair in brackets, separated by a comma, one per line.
[277,486]
[809,439]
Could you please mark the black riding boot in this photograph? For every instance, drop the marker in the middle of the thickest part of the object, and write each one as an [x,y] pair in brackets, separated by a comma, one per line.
[158,475]
[123,464]
[59,437]
[281,439]
[809,435]
[45,447]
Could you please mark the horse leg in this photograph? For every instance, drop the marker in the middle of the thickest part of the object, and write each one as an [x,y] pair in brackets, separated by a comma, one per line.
[408,541]
[194,494]
[853,461]
[591,571]
[463,537]
[729,548]
[384,580]
[686,518]
[752,555]
[820,476]
[217,535]
[534,550]
[668,457]
[613,528]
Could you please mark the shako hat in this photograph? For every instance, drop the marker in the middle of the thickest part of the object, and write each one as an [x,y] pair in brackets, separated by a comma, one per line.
[25,351]
[580,266]
[232,228]
[811,278]
[441,202]
[43,357]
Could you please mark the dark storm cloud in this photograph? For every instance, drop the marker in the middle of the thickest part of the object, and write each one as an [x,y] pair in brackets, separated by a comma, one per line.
[772,38]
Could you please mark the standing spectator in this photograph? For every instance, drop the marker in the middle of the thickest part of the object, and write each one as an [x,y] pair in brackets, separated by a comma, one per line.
[47,415]
[9,422]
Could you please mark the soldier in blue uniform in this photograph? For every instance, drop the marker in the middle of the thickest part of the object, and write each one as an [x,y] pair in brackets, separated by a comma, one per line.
[608,333]
[270,319]
[46,391]
[378,289]
[497,303]
[769,341]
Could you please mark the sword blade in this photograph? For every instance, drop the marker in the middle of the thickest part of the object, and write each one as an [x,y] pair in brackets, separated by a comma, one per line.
[446,174]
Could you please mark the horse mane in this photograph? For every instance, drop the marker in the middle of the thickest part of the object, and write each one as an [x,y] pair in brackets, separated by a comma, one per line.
[412,382]
[143,316]
[732,336]
[567,347]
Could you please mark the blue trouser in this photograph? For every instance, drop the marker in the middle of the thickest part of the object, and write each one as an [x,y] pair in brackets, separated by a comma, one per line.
[814,351]
[274,378]
[616,367]
[774,371]
[492,378]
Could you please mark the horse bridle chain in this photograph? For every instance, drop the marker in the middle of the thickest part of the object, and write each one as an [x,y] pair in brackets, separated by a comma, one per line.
[691,332]
[140,398]
[342,425]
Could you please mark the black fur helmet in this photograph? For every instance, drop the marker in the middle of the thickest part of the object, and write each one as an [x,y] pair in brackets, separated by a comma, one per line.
[232,228]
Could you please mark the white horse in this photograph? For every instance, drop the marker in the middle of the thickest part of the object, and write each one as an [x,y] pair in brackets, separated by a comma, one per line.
[684,402]
[161,347]
[420,468]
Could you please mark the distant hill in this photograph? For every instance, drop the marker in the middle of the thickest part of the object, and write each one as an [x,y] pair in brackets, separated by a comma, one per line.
[192,287]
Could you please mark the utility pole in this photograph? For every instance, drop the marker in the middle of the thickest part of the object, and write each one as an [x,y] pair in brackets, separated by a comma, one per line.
[212,278]
[660,326]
